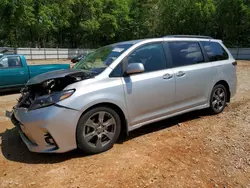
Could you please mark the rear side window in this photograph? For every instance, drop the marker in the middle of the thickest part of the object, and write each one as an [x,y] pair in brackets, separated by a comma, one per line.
[215,51]
[185,53]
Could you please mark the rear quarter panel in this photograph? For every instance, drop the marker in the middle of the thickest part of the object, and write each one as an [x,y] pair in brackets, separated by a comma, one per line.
[227,72]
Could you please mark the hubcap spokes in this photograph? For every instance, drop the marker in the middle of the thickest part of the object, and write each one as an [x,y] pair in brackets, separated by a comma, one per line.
[219,99]
[99,129]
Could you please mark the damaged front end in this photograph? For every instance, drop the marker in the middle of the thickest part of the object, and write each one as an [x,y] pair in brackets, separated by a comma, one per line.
[39,128]
[48,88]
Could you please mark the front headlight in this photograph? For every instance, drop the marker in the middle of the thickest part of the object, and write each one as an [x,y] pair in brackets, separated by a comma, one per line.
[51,99]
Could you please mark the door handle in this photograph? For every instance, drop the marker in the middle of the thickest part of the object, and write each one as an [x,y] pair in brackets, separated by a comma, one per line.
[180,74]
[167,76]
[21,72]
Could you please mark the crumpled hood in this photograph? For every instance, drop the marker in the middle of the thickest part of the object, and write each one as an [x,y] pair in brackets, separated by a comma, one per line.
[54,74]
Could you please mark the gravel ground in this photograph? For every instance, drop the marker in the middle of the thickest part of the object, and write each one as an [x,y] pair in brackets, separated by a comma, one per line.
[192,150]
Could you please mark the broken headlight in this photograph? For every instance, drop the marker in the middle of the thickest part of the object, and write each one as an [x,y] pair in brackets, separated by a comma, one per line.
[51,99]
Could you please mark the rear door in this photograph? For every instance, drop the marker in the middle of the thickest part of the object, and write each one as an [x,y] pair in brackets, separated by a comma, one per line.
[12,72]
[193,74]
[149,95]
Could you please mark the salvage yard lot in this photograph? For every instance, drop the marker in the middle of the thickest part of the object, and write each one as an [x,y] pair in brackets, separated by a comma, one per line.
[192,150]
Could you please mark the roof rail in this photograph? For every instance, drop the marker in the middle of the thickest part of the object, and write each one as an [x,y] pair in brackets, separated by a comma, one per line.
[189,36]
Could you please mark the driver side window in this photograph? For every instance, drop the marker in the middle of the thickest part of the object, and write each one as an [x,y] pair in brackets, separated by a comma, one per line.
[150,55]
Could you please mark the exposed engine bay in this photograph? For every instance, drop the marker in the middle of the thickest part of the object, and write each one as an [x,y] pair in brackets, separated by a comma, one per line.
[50,86]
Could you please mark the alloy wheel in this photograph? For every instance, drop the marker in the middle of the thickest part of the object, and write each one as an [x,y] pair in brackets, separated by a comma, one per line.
[218,99]
[99,129]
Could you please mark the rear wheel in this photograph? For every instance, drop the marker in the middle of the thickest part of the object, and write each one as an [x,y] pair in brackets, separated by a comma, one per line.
[98,130]
[218,99]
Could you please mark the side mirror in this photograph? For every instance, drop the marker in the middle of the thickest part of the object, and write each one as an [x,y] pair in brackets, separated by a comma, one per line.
[135,68]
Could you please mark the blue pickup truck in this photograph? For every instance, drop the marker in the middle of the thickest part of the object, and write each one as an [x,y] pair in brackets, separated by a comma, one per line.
[14,71]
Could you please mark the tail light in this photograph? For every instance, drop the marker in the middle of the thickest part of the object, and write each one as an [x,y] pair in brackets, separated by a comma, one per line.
[234,63]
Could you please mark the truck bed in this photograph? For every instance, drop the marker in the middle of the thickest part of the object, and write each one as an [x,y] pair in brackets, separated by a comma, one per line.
[39,69]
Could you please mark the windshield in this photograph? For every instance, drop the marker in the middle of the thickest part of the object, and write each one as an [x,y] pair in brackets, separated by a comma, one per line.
[98,60]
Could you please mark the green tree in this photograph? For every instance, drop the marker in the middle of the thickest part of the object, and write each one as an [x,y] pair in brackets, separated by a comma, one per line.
[232,22]
[14,17]
[93,23]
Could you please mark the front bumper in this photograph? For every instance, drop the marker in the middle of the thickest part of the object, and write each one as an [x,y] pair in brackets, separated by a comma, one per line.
[58,123]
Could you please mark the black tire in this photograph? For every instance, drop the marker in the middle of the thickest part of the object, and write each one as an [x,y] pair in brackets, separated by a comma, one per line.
[216,108]
[91,147]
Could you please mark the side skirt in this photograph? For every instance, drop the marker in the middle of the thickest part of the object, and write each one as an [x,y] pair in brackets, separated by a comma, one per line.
[131,128]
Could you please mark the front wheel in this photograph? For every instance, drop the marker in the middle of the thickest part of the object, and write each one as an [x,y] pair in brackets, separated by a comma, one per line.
[218,99]
[97,130]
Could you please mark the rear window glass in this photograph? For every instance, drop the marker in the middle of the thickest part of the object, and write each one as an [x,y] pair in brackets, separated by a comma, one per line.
[215,51]
[10,62]
[185,53]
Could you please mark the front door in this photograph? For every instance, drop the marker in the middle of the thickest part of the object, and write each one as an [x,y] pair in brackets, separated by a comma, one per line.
[150,94]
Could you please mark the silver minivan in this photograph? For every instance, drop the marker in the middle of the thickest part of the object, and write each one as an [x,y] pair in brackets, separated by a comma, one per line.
[121,87]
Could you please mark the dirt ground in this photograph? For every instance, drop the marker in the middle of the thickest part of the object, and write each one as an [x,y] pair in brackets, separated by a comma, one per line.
[192,150]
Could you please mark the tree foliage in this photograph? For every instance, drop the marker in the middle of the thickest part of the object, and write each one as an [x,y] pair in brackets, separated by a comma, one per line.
[93,23]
